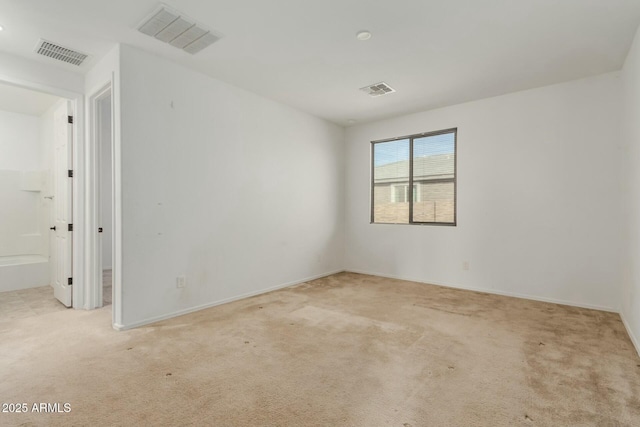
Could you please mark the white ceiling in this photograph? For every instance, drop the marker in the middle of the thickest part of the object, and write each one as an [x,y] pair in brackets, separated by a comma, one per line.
[24,101]
[305,54]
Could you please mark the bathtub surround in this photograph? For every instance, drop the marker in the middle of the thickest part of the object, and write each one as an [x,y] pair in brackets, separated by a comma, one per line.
[23,214]
[26,144]
[23,272]
[22,179]
[19,141]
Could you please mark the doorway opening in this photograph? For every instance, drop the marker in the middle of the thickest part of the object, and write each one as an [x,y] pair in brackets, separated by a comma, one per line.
[89,213]
[101,111]
[36,146]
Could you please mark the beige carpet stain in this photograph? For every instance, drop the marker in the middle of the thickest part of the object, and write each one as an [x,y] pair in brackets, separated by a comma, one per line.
[346,350]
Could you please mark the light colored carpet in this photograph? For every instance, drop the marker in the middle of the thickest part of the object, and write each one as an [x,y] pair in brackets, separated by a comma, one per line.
[107,287]
[38,301]
[30,302]
[346,350]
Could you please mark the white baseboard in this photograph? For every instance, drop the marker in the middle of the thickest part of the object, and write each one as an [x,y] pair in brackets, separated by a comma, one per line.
[150,320]
[492,291]
[634,339]
[120,327]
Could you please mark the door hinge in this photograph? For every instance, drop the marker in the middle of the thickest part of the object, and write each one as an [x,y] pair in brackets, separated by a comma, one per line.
[70,173]
[70,281]
[69,227]
[70,120]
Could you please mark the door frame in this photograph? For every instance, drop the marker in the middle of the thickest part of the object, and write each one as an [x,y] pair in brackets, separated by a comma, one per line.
[93,261]
[94,200]
[79,300]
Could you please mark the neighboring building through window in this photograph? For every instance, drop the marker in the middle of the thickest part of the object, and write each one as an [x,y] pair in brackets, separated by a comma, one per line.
[400,193]
[426,163]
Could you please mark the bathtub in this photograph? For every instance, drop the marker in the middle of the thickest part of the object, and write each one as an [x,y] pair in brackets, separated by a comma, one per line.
[23,271]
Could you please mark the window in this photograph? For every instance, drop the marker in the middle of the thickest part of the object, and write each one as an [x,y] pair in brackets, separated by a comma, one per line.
[426,163]
[400,193]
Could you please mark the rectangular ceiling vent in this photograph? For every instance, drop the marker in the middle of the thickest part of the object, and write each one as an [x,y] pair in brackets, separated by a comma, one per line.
[175,28]
[60,53]
[378,89]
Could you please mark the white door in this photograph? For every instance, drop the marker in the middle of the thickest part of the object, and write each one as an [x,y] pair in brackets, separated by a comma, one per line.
[61,255]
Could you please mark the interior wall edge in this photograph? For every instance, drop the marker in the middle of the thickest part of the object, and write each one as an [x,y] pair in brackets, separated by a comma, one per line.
[490,291]
[39,76]
[635,340]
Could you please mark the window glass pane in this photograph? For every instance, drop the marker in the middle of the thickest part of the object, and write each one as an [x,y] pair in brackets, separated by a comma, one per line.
[435,203]
[433,174]
[391,181]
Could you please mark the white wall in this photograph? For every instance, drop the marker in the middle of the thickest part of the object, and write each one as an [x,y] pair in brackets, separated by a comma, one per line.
[38,75]
[539,197]
[631,292]
[21,215]
[239,193]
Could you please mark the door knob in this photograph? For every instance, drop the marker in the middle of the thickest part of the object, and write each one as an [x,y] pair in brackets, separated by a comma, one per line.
[52,228]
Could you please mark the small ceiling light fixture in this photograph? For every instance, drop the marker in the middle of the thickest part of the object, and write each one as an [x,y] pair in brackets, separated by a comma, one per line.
[363,35]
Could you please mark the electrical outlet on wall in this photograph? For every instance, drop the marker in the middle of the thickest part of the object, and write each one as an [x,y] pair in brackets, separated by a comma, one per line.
[181,282]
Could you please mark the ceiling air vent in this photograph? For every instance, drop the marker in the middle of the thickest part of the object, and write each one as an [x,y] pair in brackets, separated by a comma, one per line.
[175,28]
[60,53]
[378,89]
